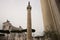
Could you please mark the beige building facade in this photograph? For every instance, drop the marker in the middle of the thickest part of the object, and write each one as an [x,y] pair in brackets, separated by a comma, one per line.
[13,36]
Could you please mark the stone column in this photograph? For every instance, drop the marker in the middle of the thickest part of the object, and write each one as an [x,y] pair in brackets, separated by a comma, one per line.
[56,14]
[51,16]
[29,29]
[47,15]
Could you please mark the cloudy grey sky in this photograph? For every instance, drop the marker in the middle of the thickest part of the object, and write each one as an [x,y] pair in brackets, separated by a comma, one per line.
[15,11]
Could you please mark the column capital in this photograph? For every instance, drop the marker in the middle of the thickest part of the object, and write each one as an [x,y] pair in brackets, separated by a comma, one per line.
[29,6]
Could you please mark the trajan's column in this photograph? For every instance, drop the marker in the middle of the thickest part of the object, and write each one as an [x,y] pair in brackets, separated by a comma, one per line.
[29,29]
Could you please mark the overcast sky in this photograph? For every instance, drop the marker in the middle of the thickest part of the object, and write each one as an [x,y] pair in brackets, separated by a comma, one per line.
[15,11]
